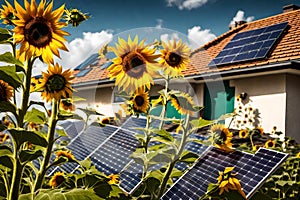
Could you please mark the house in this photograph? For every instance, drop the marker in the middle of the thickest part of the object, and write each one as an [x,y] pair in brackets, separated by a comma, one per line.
[258,60]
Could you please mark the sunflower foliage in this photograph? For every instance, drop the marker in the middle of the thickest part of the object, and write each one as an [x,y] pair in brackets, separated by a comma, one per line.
[32,143]
[134,68]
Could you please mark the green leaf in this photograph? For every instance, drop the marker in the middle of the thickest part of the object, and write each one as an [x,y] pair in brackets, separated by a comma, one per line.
[35,116]
[188,157]
[63,115]
[163,136]
[4,35]
[160,158]
[225,116]
[9,58]
[5,151]
[176,173]
[7,107]
[21,136]
[6,161]
[9,75]
[76,98]
[28,196]
[89,112]
[29,155]
[62,133]
[86,164]
[59,194]
[200,123]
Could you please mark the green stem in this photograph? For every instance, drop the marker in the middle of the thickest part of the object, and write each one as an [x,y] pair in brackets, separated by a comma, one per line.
[176,157]
[50,139]
[164,106]
[26,93]
[251,139]
[17,175]
[5,182]
[147,140]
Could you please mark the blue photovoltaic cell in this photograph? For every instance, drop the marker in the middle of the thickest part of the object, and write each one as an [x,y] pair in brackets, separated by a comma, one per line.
[249,45]
[92,60]
[83,72]
[106,65]
[252,169]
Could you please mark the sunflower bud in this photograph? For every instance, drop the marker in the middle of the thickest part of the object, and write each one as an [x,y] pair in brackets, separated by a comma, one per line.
[75,17]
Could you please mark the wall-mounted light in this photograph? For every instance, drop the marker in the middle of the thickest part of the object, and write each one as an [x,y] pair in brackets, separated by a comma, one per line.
[243,95]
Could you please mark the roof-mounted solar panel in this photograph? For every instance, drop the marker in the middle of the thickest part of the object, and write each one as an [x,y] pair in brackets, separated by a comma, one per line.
[252,169]
[249,45]
[106,65]
[83,72]
[92,60]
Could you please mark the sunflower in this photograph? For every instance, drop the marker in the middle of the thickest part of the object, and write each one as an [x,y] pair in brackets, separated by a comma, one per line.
[260,130]
[243,133]
[38,30]
[65,154]
[298,155]
[255,147]
[6,91]
[134,65]
[227,181]
[67,104]
[224,135]
[75,17]
[183,103]
[57,179]
[104,121]
[175,56]
[56,84]
[140,100]
[270,144]
[8,13]
[114,179]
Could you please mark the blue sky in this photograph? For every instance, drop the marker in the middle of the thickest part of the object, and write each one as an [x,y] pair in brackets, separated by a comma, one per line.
[200,20]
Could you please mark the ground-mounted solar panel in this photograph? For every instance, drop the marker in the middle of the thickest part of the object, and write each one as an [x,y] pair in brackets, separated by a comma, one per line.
[133,122]
[92,60]
[250,45]
[84,145]
[252,169]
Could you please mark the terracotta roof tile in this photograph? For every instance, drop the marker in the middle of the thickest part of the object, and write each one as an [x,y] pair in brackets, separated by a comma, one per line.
[287,48]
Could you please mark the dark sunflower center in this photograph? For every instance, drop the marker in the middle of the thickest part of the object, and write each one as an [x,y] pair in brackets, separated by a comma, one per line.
[173,59]
[38,32]
[3,95]
[55,83]
[223,136]
[59,180]
[134,64]
[270,144]
[139,100]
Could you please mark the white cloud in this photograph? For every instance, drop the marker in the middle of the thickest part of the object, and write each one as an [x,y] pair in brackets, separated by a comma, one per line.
[240,16]
[79,50]
[198,37]
[186,4]
[167,37]
[159,23]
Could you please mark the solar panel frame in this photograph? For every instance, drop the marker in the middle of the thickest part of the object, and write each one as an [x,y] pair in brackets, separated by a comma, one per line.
[251,43]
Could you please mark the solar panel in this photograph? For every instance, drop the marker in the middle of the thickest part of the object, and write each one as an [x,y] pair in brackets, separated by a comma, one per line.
[252,169]
[106,65]
[83,72]
[92,60]
[249,45]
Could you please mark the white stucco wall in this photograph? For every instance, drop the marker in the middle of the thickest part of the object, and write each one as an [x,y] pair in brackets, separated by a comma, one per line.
[268,95]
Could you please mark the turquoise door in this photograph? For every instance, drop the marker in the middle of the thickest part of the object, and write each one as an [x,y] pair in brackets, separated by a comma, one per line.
[218,99]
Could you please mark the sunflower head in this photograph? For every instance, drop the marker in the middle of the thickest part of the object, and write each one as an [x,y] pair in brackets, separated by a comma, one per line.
[174,57]
[6,91]
[243,133]
[113,179]
[138,102]
[33,84]
[66,154]
[75,17]
[134,65]
[38,30]
[56,84]
[8,14]
[57,179]
[298,155]
[104,121]
[67,104]
[227,181]
[260,130]
[222,135]
[183,103]
[270,144]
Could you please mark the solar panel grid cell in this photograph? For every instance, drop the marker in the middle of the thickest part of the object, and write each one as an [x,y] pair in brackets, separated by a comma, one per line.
[249,45]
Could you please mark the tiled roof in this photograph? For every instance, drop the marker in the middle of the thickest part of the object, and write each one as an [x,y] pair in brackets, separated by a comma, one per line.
[288,48]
